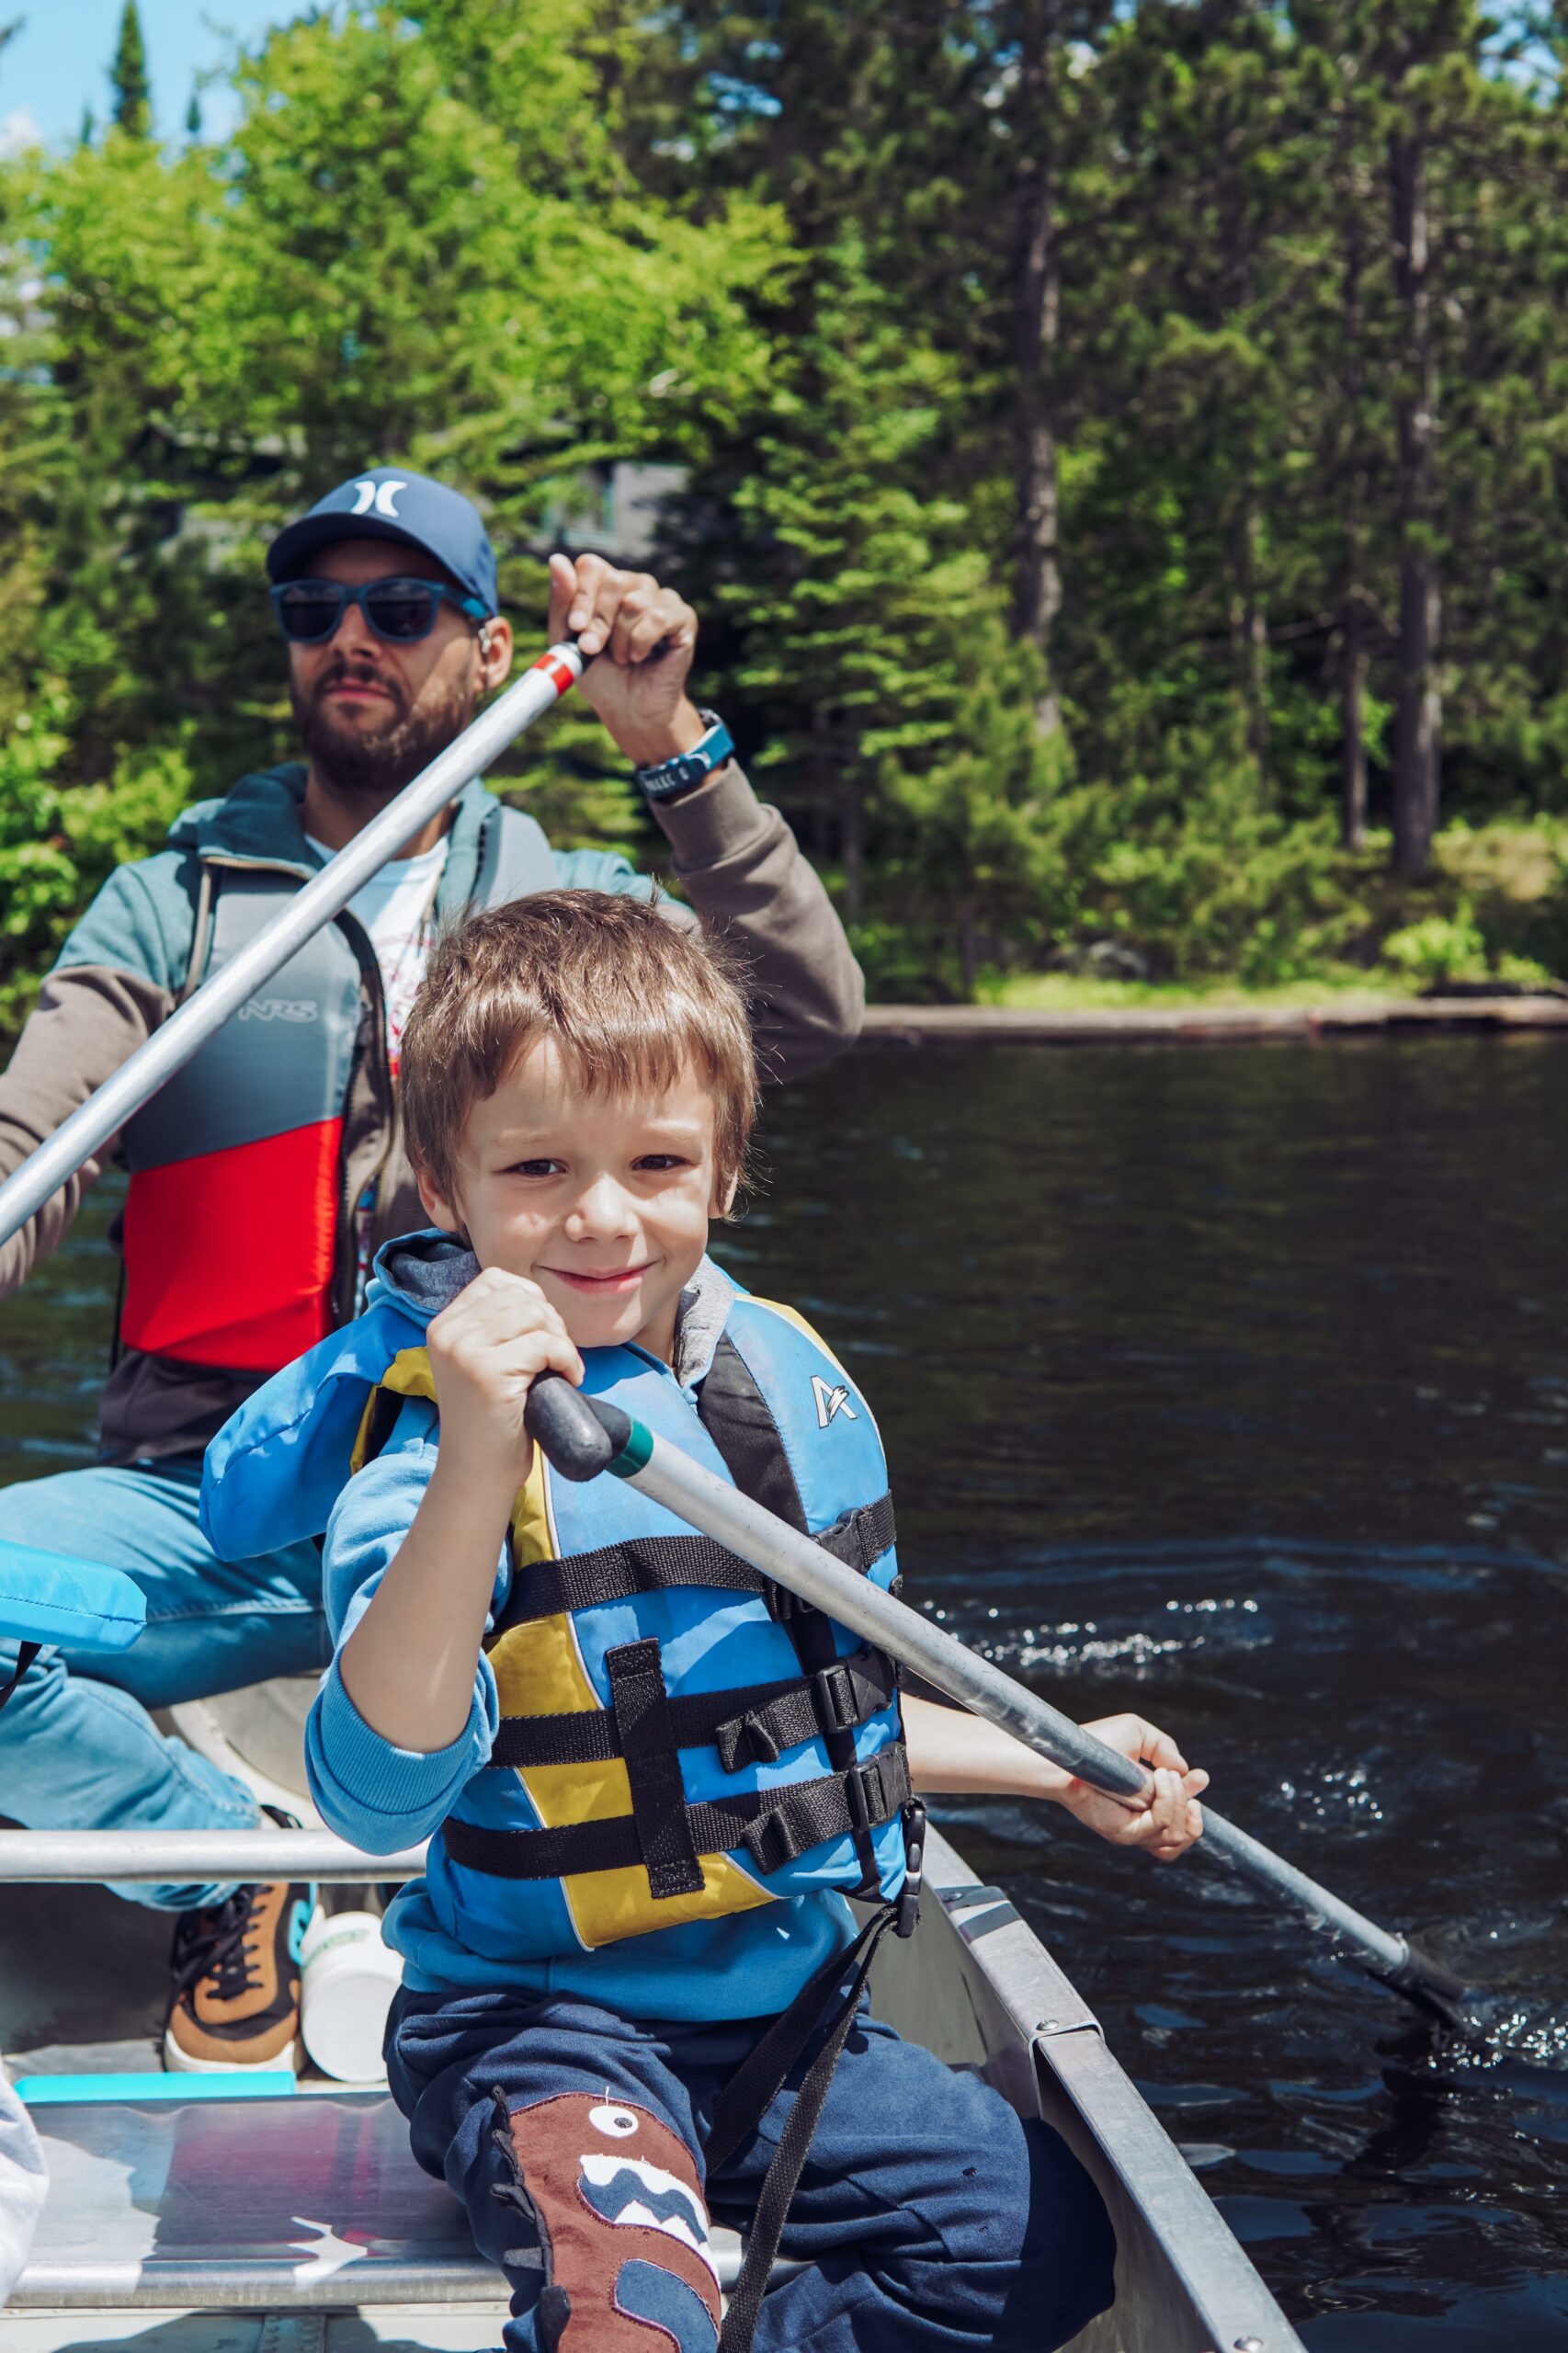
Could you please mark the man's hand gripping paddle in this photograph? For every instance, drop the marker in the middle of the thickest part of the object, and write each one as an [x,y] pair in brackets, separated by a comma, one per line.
[582,1437]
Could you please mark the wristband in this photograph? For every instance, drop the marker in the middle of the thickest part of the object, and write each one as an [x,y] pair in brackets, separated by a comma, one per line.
[671,778]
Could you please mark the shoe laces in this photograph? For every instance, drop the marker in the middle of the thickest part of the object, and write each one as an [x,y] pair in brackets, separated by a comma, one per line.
[223,1940]
[221,1943]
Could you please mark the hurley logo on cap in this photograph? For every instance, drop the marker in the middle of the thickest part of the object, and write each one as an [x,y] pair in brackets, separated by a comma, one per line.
[378,497]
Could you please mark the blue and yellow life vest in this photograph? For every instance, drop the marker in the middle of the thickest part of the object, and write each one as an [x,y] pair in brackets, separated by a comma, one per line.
[679,1739]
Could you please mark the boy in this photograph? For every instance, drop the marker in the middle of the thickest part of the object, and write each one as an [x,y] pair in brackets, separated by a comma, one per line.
[650,1780]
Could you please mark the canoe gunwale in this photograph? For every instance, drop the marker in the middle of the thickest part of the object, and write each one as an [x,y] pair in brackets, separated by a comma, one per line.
[1184,2284]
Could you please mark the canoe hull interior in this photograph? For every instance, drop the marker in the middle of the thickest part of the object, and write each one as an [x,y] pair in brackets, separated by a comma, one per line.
[302,2225]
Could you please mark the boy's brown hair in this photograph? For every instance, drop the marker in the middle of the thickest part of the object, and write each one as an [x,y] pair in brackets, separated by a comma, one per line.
[630,996]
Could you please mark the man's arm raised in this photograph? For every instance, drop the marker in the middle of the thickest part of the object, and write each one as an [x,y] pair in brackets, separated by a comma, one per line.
[735,858]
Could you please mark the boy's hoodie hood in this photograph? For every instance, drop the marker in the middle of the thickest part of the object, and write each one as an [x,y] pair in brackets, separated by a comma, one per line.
[277,1467]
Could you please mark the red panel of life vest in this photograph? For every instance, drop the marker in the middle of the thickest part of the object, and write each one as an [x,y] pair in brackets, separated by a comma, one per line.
[228,1256]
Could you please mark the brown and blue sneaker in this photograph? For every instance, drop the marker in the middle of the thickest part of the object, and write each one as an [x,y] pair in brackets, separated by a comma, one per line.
[234,2001]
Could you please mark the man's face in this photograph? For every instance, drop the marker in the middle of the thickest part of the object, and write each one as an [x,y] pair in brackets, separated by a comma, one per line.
[371,714]
[601,1200]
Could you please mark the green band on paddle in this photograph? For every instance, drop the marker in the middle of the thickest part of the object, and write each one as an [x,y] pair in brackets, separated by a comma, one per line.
[633,1456]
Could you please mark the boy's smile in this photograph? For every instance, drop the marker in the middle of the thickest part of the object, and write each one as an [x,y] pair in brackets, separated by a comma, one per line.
[602,1200]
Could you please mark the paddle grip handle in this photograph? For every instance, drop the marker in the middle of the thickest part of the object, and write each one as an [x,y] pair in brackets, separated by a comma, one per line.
[563,1421]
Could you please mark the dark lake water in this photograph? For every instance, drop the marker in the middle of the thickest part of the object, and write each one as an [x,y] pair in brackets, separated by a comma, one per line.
[1231,1386]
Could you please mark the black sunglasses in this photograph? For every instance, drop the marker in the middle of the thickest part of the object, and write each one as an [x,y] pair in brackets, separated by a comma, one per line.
[402,612]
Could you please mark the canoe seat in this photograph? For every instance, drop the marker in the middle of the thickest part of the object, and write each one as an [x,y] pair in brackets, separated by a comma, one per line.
[302,2202]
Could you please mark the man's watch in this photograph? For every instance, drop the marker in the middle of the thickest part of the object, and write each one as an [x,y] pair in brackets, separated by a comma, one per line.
[672,778]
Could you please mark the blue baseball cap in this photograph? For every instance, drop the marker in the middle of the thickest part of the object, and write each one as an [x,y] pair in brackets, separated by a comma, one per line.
[389,502]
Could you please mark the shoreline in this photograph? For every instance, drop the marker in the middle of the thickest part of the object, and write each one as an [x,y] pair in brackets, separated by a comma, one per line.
[916,1025]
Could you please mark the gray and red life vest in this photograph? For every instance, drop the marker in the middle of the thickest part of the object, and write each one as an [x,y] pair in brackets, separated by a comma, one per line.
[237,1177]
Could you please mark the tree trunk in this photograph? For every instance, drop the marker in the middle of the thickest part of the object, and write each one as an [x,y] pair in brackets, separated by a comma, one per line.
[1418,710]
[1355,617]
[1249,627]
[1353,723]
[835,786]
[1037,587]
[854,853]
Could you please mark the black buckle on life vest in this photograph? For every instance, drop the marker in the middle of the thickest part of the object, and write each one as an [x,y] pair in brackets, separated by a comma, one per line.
[860,1800]
[833,1689]
[907,1918]
[783,1606]
[866,1795]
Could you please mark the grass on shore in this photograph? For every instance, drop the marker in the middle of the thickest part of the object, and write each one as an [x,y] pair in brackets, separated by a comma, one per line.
[1077,992]
[1492,908]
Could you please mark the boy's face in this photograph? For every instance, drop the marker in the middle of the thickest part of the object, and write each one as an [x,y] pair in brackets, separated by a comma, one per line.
[603,1201]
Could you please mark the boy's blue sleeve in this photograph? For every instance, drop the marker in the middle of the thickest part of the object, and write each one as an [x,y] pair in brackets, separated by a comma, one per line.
[377,1796]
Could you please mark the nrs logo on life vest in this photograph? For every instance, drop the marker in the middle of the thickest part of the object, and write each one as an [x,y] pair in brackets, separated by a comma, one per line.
[379,496]
[279,1008]
[830,1402]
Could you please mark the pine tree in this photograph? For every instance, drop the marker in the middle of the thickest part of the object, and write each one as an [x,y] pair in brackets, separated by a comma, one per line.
[193,116]
[132,90]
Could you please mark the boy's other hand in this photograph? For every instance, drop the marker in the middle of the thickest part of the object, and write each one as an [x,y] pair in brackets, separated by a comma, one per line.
[485,1351]
[1172,1822]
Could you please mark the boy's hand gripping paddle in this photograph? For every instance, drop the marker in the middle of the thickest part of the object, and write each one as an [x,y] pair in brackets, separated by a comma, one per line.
[585,1436]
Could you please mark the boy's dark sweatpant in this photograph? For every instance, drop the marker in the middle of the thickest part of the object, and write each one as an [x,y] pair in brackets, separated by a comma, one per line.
[932,2216]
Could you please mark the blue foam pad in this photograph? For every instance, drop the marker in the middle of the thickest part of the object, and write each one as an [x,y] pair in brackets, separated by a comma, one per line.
[232,2083]
[44,1597]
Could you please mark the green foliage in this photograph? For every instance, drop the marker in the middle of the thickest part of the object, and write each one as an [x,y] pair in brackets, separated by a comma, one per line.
[57,845]
[1439,947]
[1193,869]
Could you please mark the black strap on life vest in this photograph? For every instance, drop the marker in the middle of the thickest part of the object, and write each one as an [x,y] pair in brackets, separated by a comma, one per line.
[740,1421]
[775,1826]
[641,1707]
[752,2090]
[659,1563]
[752,1725]
[25,1653]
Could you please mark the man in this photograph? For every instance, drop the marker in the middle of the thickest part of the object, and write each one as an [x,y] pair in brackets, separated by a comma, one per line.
[283,1129]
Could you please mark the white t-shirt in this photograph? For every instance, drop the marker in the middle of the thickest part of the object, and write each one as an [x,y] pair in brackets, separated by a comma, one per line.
[397,907]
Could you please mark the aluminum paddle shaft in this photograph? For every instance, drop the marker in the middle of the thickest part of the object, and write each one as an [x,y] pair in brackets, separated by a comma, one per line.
[90,1127]
[582,1437]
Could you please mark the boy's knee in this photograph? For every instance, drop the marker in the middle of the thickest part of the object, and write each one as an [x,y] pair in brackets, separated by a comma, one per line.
[1026,2242]
[1067,2265]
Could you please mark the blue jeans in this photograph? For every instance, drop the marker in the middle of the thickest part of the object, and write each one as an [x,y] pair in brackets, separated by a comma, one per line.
[78,1750]
[934,2220]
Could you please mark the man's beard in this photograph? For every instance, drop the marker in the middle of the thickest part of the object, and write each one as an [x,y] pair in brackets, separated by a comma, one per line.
[363,763]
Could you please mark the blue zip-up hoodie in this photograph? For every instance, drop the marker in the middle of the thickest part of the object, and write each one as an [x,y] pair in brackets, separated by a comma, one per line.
[278,1471]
